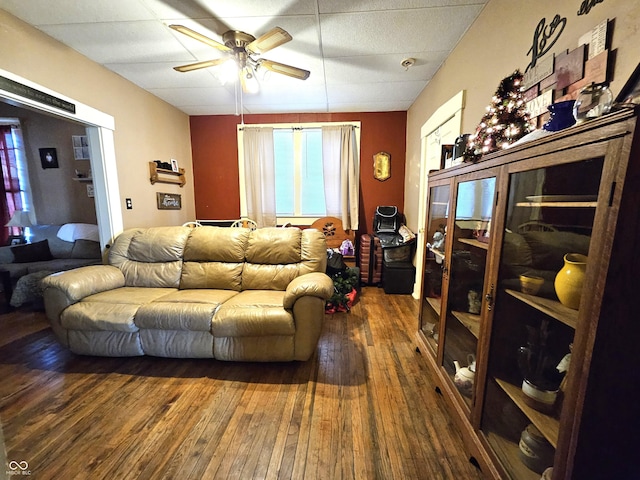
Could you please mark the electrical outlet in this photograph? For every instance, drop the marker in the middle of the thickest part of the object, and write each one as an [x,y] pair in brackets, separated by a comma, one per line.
[128,203]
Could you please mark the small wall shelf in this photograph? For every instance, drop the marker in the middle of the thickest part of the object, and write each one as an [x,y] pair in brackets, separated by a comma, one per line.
[83,179]
[162,175]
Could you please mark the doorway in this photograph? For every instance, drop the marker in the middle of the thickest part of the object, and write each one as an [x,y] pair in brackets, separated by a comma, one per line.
[442,128]
[20,92]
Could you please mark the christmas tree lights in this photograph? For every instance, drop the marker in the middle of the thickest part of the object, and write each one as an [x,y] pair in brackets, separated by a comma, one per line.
[505,121]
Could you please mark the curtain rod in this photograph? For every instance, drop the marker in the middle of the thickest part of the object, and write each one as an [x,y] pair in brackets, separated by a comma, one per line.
[300,128]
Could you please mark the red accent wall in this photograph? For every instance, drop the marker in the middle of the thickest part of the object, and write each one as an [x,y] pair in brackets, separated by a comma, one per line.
[215,160]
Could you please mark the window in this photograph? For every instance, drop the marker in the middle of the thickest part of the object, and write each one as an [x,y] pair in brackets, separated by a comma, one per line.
[301,177]
[14,175]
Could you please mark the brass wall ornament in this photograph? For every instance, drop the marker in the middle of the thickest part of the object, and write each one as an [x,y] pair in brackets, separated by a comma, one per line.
[381,166]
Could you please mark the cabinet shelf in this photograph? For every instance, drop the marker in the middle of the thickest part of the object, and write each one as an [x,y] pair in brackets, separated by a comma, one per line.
[162,175]
[548,426]
[553,308]
[475,243]
[558,204]
[436,303]
[439,255]
[470,321]
[507,452]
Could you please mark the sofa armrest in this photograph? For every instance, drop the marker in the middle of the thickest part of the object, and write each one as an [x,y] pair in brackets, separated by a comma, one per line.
[314,284]
[84,281]
[68,287]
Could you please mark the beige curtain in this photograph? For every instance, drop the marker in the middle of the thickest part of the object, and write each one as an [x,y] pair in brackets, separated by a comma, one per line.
[341,168]
[259,173]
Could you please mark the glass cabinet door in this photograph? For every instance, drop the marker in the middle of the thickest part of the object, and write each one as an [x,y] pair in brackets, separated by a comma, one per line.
[474,202]
[547,229]
[438,214]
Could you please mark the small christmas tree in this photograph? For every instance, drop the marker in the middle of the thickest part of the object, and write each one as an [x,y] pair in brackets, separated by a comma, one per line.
[506,120]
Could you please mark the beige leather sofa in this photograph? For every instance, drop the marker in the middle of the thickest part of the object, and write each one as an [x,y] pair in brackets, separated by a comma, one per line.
[206,292]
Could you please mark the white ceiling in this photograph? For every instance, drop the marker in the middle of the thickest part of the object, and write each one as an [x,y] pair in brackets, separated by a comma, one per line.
[353,48]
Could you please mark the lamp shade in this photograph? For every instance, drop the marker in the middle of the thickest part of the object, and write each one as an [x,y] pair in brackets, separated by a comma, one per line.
[20,218]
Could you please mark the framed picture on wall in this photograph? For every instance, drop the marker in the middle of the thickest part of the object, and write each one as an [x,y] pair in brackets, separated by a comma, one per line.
[80,147]
[48,158]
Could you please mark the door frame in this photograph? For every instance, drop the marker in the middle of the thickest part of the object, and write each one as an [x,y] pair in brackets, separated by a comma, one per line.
[100,128]
[451,109]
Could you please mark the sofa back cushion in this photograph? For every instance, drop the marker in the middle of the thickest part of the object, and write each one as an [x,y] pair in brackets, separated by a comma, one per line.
[214,258]
[59,248]
[150,257]
[275,256]
[217,257]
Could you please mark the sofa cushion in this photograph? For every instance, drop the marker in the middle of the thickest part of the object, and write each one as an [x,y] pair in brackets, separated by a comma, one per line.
[268,277]
[253,313]
[182,310]
[133,295]
[211,275]
[32,252]
[59,248]
[274,246]
[150,257]
[85,249]
[100,316]
[216,244]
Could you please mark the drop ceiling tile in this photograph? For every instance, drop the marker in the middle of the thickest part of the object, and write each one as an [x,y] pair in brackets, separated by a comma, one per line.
[372,92]
[46,12]
[370,106]
[383,68]
[195,96]
[307,107]
[250,8]
[208,110]
[340,6]
[395,31]
[122,42]
[278,94]
[162,75]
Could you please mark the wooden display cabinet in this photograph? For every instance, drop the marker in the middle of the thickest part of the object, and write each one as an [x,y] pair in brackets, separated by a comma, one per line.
[518,211]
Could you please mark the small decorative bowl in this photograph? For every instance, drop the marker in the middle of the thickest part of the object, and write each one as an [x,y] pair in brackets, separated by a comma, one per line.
[530,283]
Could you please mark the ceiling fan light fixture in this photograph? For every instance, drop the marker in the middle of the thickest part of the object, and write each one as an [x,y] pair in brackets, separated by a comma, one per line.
[249,80]
[228,72]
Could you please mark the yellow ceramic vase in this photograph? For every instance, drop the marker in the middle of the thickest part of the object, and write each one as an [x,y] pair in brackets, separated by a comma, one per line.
[569,280]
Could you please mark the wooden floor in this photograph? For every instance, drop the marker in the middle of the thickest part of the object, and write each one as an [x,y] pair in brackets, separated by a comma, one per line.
[364,407]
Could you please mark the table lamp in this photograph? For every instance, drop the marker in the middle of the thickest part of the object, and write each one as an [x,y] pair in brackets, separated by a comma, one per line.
[21,220]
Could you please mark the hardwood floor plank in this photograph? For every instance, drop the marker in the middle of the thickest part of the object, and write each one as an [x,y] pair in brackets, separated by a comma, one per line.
[363,407]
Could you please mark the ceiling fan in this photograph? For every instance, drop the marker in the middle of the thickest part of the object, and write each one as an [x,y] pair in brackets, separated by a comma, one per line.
[244,48]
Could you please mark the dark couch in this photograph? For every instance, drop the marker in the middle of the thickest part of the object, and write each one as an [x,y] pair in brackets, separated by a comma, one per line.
[46,253]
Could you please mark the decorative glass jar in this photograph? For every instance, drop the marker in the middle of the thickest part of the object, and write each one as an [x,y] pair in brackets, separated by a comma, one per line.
[593,101]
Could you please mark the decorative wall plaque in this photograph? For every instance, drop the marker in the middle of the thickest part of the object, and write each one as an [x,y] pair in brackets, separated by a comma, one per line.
[381,166]
[169,201]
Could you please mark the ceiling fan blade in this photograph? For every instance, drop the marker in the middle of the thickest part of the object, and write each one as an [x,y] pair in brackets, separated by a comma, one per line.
[270,40]
[201,38]
[283,69]
[199,65]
